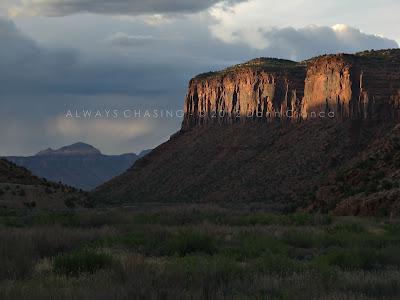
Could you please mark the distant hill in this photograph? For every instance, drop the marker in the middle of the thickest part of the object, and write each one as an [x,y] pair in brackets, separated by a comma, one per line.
[79,165]
[20,189]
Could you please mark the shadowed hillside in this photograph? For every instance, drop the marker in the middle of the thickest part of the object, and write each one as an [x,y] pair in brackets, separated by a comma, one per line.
[20,189]
[337,149]
[285,167]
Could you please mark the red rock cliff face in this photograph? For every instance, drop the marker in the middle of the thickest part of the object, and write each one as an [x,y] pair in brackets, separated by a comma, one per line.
[361,86]
[262,88]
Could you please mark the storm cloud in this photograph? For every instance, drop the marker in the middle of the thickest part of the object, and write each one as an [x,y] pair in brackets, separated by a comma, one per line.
[34,69]
[116,7]
[94,61]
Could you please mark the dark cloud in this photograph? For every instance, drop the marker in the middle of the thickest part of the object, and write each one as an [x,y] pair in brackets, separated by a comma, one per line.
[33,69]
[115,7]
[39,84]
[148,69]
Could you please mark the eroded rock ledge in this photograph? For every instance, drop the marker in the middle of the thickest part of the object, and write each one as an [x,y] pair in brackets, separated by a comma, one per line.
[365,85]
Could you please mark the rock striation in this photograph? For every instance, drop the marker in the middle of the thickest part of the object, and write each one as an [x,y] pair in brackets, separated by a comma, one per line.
[262,88]
[365,85]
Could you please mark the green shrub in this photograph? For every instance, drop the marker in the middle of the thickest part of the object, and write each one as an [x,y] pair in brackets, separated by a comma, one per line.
[279,264]
[84,261]
[387,185]
[191,242]
[346,227]
[70,202]
[355,259]
[247,245]
[31,204]
[207,272]
[301,239]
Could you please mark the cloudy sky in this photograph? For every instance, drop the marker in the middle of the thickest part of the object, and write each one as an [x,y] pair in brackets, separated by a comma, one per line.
[58,56]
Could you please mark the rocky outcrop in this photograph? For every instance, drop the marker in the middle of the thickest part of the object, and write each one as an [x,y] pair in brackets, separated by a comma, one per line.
[347,164]
[259,89]
[360,86]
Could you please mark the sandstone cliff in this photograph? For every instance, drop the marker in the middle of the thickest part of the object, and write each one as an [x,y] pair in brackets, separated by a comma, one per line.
[348,163]
[361,86]
[266,88]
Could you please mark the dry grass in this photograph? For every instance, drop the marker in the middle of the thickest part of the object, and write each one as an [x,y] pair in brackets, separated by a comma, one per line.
[197,252]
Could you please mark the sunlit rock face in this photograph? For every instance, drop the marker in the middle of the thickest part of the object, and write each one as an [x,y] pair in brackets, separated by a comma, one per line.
[233,148]
[260,89]
[361,86]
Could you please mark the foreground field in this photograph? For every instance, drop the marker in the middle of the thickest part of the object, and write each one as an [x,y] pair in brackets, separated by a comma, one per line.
[196,252]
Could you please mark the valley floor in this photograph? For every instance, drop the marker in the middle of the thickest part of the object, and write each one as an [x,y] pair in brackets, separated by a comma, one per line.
[196,252]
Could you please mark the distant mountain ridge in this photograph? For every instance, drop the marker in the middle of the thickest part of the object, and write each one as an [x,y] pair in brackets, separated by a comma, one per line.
[79,165]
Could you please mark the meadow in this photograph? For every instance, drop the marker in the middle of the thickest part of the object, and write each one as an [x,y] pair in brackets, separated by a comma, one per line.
[196,252]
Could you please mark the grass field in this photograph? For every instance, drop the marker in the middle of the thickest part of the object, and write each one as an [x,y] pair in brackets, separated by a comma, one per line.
[196,252]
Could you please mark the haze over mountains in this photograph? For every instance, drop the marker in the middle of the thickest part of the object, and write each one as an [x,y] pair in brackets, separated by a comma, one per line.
[79,165]
[237,144]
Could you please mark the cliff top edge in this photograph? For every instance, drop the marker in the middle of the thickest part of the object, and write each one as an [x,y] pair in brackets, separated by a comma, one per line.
[276,64]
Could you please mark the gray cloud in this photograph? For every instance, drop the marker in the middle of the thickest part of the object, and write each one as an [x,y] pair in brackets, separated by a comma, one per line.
[33,69]
[310,41]
[115,7]
[121,39]
[150,68]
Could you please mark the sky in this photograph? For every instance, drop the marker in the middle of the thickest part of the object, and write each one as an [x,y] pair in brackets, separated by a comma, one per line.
[123,60]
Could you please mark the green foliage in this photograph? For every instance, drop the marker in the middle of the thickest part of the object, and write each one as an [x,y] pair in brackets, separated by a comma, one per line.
[203,254]
[280,264]
[70,202]
[353,259]
[387,185]
[248,245]
[188,242]
[84,261]
[346,228]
